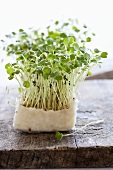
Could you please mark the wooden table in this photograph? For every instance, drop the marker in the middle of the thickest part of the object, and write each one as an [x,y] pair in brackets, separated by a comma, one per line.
[92,147]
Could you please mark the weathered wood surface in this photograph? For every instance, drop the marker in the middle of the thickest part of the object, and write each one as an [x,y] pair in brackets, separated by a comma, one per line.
[104,75]
[92,147]
[105,72]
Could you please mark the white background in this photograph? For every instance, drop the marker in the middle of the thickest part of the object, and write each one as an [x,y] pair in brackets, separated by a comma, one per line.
[98,14]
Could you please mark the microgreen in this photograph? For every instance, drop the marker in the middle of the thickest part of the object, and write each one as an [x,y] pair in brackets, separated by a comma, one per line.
[50,65]
[26,84]
[58,135]
[88,39]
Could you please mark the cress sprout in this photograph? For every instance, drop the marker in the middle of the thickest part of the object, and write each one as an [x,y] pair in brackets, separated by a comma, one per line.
[50,65]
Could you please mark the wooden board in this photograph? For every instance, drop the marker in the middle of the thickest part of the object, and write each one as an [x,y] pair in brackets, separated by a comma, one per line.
[104,71]
[104,75]
[92,147]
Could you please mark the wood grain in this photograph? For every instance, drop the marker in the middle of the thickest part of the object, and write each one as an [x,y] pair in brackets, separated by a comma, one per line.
[92,147]
[104,75]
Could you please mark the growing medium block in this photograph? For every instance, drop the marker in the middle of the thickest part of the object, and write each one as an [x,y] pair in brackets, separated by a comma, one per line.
[32,119]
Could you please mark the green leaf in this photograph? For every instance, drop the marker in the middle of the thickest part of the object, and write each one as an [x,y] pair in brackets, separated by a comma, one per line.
[13,33]
[8,36]
[56,22]
[7,65]
[46,75]
[21,30]
[18,52]
[82,49]
[10,70]
[35,32]
[20,90]
[65,24]
[88,39]
[24,36]
[19,58]
[58,135]
[66,69]
[66,40]
[72,56]
[85,62]
[42,62]
[17,72]
[31,52]
[96,50]
[39,71]
[54,74]
[82,41]
[104,54]
[2,40]
[76,46]
[65,60]
[75,29]
[89,73]
[59,77]
[42,34]
[63,35]
[85,26]
[86,56]
[71,40]
[54,35]
[94,61]
[8,54]
[85,32]
[71,49]
[26,84]
[93,34]
[51,57]
[10,77]
[47,70]
[11,45]
[77,64]
[50,41]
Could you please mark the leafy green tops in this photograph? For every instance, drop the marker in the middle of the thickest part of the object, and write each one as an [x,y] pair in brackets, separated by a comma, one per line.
[50,63]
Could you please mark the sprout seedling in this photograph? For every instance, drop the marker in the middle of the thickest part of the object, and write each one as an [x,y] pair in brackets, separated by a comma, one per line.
[49,66]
